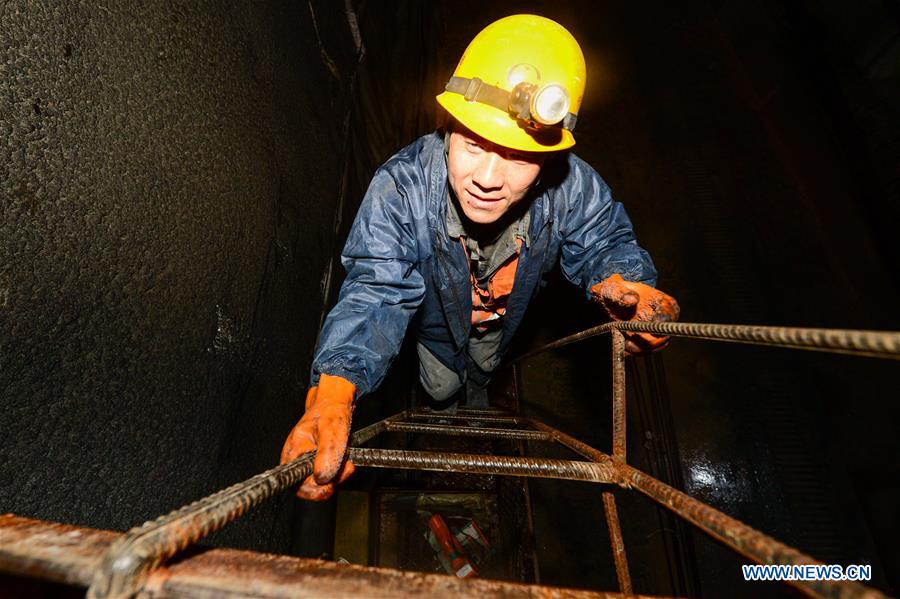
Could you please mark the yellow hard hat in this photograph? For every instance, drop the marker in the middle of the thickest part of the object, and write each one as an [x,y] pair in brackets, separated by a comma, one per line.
[519,84]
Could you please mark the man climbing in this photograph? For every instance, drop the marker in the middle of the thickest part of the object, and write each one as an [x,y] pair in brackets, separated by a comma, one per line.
[457,230]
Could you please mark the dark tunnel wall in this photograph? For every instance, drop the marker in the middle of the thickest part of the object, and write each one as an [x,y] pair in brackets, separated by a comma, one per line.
[168,186]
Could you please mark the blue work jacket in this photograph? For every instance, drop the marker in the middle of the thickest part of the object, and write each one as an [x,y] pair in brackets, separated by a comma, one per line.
[403,268]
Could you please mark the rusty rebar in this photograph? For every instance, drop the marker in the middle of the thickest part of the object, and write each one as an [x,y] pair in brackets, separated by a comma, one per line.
[468,431]
[364,435]
[579,447]
[876,344]
[616,542]
[484,464]
[609,506]
[464,418]
[574,338]
[62,553]
[463,410]
[618,396]
[531,546]
[744,539]
[128,561]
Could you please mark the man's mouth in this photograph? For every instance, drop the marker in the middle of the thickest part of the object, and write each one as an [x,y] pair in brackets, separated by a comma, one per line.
[483,202]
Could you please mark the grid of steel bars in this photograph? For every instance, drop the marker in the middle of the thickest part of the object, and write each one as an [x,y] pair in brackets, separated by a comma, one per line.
[129,560]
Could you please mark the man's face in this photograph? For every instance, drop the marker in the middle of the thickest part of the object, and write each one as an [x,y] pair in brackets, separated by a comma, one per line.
[488,179]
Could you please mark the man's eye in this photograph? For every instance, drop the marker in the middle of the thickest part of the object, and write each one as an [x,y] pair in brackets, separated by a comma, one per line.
[474,145]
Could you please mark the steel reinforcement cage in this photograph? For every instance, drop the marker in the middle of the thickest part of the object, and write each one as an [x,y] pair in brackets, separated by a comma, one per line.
[127,565]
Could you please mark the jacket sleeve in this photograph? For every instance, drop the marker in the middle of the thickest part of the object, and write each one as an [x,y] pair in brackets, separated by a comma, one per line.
[598,240]
[383,289]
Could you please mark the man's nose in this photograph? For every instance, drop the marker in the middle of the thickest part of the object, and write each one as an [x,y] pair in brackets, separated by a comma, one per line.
[489,174]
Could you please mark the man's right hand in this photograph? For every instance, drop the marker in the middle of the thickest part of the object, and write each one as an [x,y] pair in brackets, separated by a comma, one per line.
[325,426]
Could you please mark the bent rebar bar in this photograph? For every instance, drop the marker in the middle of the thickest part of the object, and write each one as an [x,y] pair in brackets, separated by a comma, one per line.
[467,431]
[874,344]
[128,561]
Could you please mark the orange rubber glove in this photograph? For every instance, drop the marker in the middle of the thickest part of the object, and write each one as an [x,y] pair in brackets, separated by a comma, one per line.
[325,425]
[624,300]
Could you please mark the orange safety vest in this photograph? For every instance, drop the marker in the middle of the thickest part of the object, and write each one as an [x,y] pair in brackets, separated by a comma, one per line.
[489,304]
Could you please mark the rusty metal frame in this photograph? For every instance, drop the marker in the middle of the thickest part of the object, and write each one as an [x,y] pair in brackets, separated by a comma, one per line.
[128,566]
[46,552]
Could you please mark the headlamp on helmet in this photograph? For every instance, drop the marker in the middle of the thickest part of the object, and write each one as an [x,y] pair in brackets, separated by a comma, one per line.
[545,105]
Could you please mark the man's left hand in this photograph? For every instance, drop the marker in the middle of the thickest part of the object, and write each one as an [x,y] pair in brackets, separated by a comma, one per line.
[624,300]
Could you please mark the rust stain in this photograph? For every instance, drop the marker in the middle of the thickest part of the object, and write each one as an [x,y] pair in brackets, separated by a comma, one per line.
[63,553]
[314,578]
[618,395]
[617,544]
[51,551]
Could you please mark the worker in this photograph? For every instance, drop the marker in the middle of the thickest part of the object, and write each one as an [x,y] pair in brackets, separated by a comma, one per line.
[457,230]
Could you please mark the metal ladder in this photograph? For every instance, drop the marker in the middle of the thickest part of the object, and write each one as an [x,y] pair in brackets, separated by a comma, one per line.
[129,562]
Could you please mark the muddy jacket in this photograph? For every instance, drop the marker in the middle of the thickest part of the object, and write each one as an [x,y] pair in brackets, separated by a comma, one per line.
[402,267]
